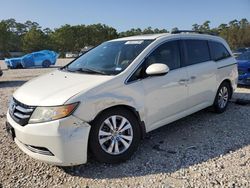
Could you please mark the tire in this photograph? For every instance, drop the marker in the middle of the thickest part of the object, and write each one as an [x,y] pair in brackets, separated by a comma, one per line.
[110,146]
[19,66]
[46,64]
[222,98]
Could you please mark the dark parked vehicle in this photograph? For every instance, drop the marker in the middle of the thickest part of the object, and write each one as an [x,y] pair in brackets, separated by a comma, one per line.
[240,51]
[243,61]
[1,72]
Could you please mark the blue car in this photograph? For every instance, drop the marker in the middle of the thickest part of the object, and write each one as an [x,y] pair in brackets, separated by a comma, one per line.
[243,61]
[43,58]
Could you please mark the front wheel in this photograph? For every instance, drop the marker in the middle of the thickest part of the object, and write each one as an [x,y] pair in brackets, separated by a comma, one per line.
[222,98]
[46,64]
[114,136]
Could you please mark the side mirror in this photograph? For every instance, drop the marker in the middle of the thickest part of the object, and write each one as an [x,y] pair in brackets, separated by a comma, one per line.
[157,69]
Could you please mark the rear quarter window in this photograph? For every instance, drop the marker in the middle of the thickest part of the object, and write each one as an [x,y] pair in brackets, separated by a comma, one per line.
[218,51]
[197,51]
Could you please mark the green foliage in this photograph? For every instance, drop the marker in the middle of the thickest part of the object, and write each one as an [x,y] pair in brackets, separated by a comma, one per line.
[29,36]
[5,37]
[74,38]
[138,31]
[236,33]
[34,40]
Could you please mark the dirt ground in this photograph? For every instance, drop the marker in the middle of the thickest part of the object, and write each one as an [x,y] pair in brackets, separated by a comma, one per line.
[201,150]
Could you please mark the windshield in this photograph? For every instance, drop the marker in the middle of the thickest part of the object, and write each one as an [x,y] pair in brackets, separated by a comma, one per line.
[244,56]
[109,58]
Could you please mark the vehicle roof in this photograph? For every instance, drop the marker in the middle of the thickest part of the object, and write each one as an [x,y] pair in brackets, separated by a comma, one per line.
[143,37]
[166,35]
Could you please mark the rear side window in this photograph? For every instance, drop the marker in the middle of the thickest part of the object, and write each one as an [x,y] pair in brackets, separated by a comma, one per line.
[218,51]
[197,51]
[38,55]
[167,53]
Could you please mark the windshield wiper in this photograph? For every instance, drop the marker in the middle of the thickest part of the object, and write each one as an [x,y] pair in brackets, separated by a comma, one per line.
[86,70]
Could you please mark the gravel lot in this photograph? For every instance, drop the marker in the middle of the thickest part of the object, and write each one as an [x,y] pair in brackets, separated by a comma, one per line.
[201,150]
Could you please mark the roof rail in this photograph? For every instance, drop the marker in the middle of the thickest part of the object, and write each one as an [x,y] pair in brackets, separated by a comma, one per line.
[192,31]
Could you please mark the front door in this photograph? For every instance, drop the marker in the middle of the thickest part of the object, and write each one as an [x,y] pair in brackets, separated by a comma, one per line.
[165,96]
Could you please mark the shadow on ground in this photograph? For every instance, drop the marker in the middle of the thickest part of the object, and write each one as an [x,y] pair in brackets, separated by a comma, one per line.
[51,67]
[244,86]
[12,83]
[186,142]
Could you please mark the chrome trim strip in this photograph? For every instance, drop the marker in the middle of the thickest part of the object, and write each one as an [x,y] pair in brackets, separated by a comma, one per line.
[35,150]
[21,109]
[21,116]
[227,66]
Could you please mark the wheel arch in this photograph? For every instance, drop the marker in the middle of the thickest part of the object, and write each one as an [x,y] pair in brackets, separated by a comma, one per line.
[46,60]
[131,109]
[228,81]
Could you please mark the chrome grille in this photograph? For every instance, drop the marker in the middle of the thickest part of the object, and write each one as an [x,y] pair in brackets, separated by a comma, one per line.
[20,112]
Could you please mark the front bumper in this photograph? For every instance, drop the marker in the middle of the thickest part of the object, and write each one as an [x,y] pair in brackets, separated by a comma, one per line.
[64,141]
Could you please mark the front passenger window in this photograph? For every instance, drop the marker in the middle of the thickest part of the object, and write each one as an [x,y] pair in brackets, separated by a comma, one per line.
[167,53]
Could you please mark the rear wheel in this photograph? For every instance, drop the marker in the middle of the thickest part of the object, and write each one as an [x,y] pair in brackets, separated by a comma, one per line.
[46,64]
[114,135]
[222,98]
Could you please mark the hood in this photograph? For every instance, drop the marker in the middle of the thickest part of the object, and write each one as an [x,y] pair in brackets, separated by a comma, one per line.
[7,60]
[56,88]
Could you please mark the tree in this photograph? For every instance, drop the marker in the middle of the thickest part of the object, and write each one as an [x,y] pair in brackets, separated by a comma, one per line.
[236,33]
[17,31]
[138,31]
[195,27]
[29,36]
[32,25]
[5,36]
[64,38]
[205,26]
[34,40]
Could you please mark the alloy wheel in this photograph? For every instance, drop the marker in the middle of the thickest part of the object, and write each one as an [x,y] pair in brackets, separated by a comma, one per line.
[223,97]
[115,135]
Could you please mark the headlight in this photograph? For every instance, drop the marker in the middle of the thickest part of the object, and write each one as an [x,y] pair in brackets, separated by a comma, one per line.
[44,114]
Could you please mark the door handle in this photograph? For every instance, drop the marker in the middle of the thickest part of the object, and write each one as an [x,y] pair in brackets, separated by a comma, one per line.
[183,81]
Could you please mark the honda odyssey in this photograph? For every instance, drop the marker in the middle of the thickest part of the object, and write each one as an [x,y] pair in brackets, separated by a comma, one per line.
[105,101]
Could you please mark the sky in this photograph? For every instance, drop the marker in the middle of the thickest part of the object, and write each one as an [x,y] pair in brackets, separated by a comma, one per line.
[126,14]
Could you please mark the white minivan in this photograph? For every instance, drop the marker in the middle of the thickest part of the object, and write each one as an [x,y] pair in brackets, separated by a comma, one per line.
[105,101]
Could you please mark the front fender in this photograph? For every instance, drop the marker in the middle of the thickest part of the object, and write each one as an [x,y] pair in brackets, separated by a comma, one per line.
[90,108]
[11,64]
[95,102]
